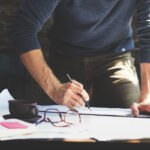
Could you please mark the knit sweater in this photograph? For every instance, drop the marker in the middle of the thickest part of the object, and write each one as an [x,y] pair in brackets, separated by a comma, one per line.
[83,27]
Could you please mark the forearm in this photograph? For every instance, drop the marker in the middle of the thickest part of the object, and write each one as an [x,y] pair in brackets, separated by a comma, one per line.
[145,81]
[39,70]
[143,104]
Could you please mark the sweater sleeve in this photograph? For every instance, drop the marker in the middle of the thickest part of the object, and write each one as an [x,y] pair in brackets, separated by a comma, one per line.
[27,22]
[143,29]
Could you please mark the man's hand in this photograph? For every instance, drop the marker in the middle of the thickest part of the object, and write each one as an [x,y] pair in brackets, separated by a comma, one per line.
[140,107]
[67,94]
[143,104]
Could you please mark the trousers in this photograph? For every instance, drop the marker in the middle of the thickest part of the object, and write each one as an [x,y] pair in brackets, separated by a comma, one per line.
[111,80]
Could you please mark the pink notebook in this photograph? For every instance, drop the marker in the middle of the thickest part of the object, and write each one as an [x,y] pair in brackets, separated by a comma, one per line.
[13,125]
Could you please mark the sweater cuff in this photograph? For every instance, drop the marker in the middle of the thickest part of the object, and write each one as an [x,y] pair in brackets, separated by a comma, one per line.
[26,44]
[144,55]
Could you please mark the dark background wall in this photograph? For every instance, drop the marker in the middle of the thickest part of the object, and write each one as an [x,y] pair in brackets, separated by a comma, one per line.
[32,90]
[23,85]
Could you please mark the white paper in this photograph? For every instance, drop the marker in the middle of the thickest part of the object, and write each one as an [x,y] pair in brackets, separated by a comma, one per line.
[118,128]
[102,128]
[103,124]
[122,112]
[5,96]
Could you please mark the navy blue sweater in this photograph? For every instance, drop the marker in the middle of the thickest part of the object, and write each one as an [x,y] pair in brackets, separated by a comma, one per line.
[83,27]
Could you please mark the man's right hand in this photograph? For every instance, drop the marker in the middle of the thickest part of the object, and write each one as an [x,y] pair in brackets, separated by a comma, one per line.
[66,94]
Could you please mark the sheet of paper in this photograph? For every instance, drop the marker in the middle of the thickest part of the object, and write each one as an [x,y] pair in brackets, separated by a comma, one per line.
[5,96]
[1,118]
[106,127]
[118,128]
[98,111]
[94,110]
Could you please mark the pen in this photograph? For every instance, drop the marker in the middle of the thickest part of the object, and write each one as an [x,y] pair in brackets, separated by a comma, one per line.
[80,95]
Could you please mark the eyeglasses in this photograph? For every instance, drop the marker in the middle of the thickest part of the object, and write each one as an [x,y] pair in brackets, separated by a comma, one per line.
[60,119]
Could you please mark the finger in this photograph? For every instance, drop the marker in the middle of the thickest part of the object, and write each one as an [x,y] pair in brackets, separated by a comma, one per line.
[75,99]
[77,83]
[72,99]
[135,109]
[80,91]
[78,99]
[78,103]
[75,104]
[85,95]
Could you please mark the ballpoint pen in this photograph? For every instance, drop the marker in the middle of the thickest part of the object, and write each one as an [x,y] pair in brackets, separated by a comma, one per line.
[69,78]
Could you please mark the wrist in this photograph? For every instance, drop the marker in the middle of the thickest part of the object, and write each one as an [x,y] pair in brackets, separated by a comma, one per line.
[50,83]
[144,97]
[145,78]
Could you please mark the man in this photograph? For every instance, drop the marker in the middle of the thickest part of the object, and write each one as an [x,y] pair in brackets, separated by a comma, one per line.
[92,41]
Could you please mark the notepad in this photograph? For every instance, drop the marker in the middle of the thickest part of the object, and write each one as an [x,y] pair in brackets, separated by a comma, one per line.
[14,127]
